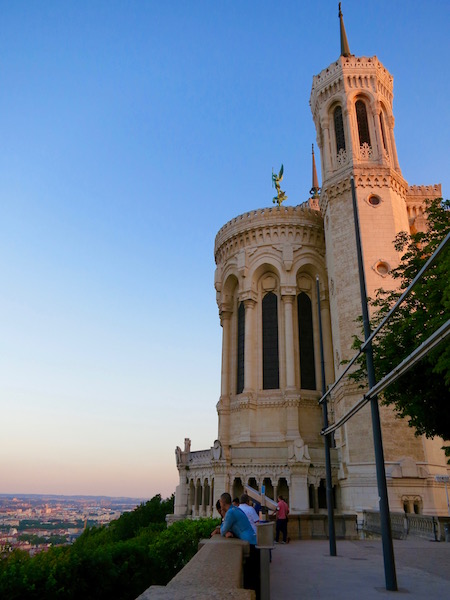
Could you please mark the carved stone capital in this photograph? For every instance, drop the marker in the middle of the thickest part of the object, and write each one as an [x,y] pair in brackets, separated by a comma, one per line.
[249,298]
[288,293]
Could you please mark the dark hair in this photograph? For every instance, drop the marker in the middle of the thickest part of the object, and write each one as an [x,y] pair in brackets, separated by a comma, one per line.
[226,498]
[245,499]
[236,500]
[218,507]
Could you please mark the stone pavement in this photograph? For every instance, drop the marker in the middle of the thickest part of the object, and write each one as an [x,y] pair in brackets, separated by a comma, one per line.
[304,570]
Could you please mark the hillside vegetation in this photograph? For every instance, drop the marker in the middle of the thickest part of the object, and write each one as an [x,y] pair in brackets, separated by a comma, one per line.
[114,562]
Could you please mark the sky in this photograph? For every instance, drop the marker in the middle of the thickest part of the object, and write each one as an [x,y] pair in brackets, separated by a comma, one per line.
[130,132]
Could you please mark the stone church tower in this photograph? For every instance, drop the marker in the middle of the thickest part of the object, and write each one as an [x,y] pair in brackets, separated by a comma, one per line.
[268,262]
[351,102]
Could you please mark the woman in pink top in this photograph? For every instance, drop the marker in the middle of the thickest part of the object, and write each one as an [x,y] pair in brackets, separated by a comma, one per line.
[282,512]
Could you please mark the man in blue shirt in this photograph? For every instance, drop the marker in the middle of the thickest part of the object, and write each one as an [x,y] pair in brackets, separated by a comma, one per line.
[235,523]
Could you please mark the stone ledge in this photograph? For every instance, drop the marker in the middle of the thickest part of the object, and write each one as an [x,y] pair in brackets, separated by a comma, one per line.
[215,572]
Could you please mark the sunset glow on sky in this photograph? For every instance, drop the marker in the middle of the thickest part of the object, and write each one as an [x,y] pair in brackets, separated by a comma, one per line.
[130,133]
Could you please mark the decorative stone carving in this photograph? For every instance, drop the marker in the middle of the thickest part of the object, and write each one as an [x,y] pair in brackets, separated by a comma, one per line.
[178,455]
[381,267]
[298,451]
[217,450]
[341,157]
[269,283]
[366,152]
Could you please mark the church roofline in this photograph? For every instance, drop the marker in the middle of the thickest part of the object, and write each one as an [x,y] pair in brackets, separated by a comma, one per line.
[296,216]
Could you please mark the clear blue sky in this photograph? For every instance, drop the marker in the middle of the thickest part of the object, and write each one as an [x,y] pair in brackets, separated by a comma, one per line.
[130,132]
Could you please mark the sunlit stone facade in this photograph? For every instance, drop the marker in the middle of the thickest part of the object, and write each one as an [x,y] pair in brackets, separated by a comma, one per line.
[271,265]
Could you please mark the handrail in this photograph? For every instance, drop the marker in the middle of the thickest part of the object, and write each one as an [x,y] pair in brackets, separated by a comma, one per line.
[435,338]
[419,275]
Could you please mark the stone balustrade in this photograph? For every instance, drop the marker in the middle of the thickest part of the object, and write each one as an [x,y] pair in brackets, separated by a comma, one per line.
[407,524]
[214,573]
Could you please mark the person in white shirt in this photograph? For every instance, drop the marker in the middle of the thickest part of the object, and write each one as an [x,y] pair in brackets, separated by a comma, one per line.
[251,513]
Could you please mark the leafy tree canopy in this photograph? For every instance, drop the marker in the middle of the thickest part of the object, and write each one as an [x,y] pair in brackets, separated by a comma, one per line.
[422,395]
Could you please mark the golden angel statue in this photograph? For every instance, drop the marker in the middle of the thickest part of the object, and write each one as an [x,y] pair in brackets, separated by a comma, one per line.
[281,196]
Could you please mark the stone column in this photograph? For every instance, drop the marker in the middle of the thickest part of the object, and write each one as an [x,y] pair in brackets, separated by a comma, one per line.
[191,497]
[316,498]
[221,483]
[249,344]
[298,488]
[203,511]
[327,147]
[350,141]
[327,340]
[377,130]
[288,296]
[195,511]
[391,123]
[223,407]
[182,496]
[225,319]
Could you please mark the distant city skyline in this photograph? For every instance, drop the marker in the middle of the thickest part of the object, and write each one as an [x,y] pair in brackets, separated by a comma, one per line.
[131,132]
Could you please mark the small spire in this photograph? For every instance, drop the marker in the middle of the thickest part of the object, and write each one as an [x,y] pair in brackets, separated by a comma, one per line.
[314,191]
[345,50]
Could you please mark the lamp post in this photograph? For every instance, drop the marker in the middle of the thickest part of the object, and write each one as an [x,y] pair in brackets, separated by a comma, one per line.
[386,533]
[327,440]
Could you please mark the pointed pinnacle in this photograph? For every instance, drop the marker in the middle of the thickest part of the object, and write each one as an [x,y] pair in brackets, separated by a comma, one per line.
[314,191]
[345,49]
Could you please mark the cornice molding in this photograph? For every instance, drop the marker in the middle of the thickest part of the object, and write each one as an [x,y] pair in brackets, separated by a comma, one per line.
[273,227]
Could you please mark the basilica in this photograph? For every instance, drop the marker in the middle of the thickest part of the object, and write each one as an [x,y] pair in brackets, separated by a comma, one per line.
[274,267]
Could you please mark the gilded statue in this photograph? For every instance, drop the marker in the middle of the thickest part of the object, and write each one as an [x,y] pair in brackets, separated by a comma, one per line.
[281,196]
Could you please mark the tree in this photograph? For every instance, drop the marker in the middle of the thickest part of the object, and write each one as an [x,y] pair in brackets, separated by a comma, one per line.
[422,394]
[114,562]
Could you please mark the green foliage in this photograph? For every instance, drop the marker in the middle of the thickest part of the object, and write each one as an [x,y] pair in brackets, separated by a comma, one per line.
[32,538]
[175,547]
[422,394]
[115,562]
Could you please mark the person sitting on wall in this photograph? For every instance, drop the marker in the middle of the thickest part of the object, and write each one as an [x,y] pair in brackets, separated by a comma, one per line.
[249,511]
[235,523]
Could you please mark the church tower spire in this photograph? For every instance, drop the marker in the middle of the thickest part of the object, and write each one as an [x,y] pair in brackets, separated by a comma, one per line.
[345,49]
[314,191]
[352,106]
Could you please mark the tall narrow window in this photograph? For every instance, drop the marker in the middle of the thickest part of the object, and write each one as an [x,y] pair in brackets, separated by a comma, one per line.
[363,125]
[383,134]
[306,343]
[339,129]
[240,348]
[271,371]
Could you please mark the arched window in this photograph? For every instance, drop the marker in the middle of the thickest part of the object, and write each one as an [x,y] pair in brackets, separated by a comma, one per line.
[339,129]
[240,348]
[271,376]
[383,133]
[306,342]
[363,125]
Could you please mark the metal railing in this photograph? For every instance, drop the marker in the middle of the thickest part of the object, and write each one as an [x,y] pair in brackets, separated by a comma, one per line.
[433,340]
